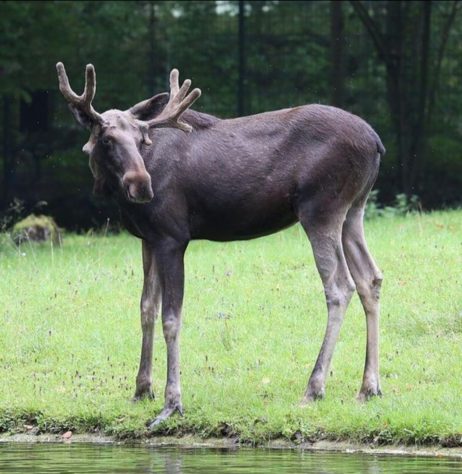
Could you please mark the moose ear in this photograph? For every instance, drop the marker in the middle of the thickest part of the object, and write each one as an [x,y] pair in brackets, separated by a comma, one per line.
[150,108]
[88,147]
[81,117]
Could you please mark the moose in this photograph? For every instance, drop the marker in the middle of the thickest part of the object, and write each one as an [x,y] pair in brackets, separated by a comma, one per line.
[179,175]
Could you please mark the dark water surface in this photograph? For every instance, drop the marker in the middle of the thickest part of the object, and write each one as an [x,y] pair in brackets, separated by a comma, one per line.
[86,459]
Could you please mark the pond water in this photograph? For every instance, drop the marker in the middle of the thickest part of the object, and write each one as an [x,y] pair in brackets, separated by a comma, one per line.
[86,459]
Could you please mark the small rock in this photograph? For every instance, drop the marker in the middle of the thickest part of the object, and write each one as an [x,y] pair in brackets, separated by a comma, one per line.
[67,435]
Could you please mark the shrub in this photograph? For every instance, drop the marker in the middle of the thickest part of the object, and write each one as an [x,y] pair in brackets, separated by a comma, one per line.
[36,229]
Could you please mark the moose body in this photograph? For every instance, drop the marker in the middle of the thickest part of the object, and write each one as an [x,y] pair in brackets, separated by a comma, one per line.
[237,179]
[248,177]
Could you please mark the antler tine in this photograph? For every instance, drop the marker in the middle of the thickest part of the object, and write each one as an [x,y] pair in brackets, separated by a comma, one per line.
[189,100]
[82,102]
[90,91]
[90,84]
[183,90]
[175,89]
[64,85]
[174,85]
[178,103]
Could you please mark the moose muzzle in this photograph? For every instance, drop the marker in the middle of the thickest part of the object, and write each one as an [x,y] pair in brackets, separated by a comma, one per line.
[137,186]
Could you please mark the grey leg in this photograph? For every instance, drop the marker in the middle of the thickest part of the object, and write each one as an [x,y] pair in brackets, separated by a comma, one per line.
[150,301]
[368,279]
[326,240]
[170,255]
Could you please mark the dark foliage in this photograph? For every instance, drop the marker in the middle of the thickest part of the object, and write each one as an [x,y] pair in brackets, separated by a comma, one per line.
[395,63]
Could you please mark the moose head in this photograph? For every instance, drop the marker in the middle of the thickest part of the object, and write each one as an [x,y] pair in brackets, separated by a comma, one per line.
[117,137]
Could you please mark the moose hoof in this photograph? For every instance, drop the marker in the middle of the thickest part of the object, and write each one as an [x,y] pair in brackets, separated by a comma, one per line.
[366,394]
[167,412]
[311,397]
[145,394]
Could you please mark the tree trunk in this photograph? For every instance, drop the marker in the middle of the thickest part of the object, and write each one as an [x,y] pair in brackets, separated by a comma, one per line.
[151,79]
[241,103]
[406,79]
[8,162]
[395,84]
[337,41]
[417,148]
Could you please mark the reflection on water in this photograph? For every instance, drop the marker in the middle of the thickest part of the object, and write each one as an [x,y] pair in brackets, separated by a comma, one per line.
[86,459]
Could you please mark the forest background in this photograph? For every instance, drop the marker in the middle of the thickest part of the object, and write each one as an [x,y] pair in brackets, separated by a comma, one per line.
[395,63]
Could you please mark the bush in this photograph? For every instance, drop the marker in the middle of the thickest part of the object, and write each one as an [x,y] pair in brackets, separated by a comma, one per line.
[36,229]
[402,206]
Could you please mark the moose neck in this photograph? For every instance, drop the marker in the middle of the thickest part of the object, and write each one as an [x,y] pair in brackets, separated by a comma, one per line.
[162,160]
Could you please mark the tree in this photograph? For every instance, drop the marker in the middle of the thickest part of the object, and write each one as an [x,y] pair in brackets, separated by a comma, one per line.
[337,39]
[404,47]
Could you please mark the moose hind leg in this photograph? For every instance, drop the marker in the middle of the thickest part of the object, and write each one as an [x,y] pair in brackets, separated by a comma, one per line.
[325,234]
[368,280]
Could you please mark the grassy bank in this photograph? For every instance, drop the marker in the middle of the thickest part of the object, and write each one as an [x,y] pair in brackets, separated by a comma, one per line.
[254,318]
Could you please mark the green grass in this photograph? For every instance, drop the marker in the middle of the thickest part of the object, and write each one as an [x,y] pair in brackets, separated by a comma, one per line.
[254,318]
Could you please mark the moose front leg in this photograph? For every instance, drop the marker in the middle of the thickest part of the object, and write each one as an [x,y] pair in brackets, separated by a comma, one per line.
[150,301]
[169,256]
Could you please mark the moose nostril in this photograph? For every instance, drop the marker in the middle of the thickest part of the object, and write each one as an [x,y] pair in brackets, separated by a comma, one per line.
[131,191]
[145,193]
[138,187]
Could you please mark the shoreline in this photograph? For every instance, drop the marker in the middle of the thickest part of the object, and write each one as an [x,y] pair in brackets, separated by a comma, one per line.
[195,442]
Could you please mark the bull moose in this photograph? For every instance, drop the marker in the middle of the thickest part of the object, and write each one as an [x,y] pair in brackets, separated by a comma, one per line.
[236,179]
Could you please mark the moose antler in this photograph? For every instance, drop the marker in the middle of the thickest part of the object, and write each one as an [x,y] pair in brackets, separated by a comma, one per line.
[178,103]
[80,102]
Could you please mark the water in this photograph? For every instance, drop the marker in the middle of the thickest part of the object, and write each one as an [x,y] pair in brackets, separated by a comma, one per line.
[88,459]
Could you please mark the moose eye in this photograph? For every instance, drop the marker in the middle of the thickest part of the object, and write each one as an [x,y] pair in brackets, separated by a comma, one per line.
[106,141]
